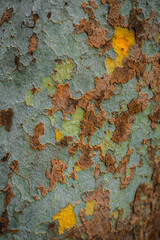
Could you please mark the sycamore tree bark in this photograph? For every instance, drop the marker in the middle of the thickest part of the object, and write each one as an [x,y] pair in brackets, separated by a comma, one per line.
[79,119]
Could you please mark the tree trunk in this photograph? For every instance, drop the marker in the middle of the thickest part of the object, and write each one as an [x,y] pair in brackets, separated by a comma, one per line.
[80,120]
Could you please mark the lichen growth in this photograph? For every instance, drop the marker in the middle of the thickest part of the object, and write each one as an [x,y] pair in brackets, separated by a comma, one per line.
[72,127]
[59,135]
[66,217]
[122,41]
[49,84]
[29,97]
[63,71]
[90,207]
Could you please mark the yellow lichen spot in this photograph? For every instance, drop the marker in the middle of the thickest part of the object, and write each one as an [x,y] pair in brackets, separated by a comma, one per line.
[122,41]
[90,207]
[67,218]
[158,37]
[110,65]
[115,214]
[59,135]
[77,168]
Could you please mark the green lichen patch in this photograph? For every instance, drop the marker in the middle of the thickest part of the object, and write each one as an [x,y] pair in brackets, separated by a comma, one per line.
[63,71]
[49,84]
[29,98]
[72,127]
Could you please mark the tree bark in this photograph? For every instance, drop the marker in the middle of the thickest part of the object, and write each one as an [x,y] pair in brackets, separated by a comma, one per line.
[80,120]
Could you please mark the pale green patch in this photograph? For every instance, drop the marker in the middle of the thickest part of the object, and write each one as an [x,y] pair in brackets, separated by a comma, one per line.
[63,71]
[123,107]
[49,84]
[143,197]
[157,132]
[128,172]
[143,149]
[108,144]
[108,177]
[52,120]
[72,127]
[29,97]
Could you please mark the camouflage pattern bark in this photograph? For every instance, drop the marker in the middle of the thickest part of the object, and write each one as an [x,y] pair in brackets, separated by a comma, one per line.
[80,119]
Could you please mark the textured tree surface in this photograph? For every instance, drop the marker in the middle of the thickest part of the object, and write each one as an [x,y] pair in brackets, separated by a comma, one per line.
[79,120]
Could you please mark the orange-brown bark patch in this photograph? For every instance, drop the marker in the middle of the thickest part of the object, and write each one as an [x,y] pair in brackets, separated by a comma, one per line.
[113,16]
[14,165]
[62,100]
[96,34]
[97,171]
[123,124]
[34,140]
[4,219]
[33,44]
[104,89]
[154,116]
[85,161]
[91,122]
[54,176]
[73,175]
[6,117]
[139,104]
[34,90]
[6,16]
[6,157]
[64,142]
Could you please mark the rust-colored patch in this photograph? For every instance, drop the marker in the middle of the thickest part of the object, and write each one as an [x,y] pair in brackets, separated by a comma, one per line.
[155,115]
[104,89]
[112,120]
[125,174]
[91,122]
[96,33]
[122,169]
[100,225]
[73,175]
[33,44]
[14,165]
[85,161]
[4,219]
[35,18]
[64,142]
[123,124]
[139,104]
[114,18]
[6,16]
[6,157]
[34,140]
[62,100]
[97,171]
[142,222]
[6,117]
[34,90]
[54,176]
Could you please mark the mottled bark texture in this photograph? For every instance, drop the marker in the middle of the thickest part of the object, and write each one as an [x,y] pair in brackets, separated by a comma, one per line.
[80,120]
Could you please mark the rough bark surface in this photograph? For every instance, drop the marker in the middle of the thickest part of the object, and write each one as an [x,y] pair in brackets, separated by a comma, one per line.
[80,120]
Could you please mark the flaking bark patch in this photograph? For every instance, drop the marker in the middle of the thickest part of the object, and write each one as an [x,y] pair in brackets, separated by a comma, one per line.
[34,140]
[6,117]
[6,16]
